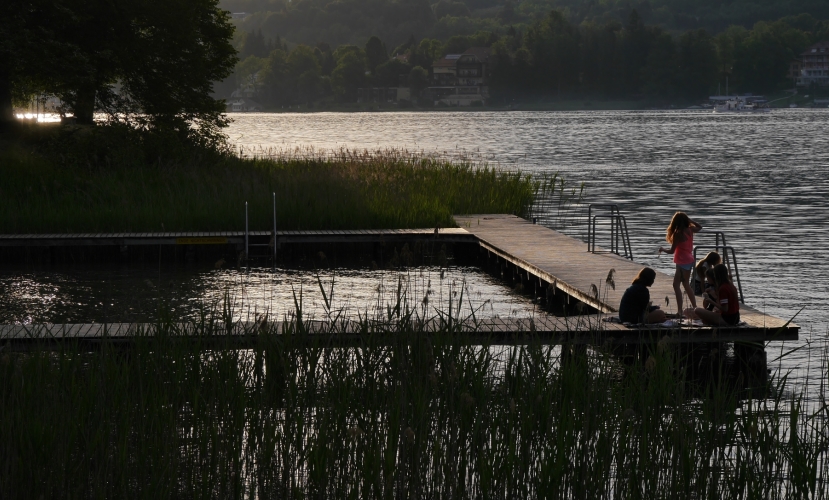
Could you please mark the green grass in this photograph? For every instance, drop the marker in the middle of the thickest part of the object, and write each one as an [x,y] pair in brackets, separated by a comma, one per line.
[59,186]
[426,414]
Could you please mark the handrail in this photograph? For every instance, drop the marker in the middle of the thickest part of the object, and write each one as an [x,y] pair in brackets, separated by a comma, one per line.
[717,236]
[727,261]
[618,229]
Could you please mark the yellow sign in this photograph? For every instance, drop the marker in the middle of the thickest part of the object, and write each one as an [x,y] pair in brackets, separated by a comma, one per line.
[210,240]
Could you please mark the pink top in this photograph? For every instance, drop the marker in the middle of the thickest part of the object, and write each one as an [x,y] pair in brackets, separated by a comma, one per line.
[684,251]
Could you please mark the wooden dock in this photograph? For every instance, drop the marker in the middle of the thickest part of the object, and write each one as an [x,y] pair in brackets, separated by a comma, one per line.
[588,329]
[543,259]
[237,238]
[547,258]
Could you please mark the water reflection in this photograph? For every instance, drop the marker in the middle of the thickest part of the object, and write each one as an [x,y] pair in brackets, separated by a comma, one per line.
[760,179]
[113,293]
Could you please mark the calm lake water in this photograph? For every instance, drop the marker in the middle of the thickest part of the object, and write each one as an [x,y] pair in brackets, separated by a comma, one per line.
[135,293]
[762,179]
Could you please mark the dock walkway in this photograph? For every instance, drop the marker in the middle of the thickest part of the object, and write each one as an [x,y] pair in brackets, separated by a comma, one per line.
[258,238]
[546,258]
[563,262]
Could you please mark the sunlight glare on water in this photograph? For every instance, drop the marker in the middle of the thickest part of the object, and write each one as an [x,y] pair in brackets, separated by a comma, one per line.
[113,293]
[762,179]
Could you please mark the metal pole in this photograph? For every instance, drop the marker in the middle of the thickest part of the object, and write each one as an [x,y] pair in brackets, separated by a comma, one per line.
[246,230]
[274,226]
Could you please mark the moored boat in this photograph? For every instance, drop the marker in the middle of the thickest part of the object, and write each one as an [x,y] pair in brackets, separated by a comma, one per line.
[738,105]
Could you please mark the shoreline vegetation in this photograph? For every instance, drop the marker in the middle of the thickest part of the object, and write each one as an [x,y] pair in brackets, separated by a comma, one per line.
[115,179]
[551,57]
[412,412]
[783,101]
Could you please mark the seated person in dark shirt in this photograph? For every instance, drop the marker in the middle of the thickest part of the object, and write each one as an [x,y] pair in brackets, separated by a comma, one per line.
[635,306]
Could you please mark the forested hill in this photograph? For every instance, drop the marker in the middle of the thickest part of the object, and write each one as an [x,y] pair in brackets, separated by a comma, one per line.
[339,22]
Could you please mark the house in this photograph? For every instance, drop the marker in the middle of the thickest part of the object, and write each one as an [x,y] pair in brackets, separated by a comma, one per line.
[795,67]
[243,105]
[814,65]
[461,79]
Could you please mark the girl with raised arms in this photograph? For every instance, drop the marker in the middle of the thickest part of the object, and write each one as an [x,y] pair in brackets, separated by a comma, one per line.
[680,234]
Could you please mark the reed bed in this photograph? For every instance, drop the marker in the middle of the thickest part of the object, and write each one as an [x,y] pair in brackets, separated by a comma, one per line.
[409,412]
[109,192]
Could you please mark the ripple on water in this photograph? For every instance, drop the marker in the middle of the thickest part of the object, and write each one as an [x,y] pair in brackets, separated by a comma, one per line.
[760,178]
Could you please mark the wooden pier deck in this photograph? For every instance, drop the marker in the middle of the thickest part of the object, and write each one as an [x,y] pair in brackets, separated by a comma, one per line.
[542,329]
[544,258]
[448,235]
[554,259]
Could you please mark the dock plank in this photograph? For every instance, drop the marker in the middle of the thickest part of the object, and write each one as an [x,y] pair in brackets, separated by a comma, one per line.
[542,329]
[566,263]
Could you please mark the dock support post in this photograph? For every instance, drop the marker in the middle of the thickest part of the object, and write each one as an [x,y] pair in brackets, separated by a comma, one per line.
[246,230]
[274,227]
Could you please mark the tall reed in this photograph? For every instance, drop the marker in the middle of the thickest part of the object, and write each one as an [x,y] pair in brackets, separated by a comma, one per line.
[412,409]
[350,190]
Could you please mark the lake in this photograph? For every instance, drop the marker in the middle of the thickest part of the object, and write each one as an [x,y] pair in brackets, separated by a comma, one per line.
[762,179]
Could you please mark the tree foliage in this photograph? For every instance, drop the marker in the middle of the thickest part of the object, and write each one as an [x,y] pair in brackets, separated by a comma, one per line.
[554,57]
[354,21]
[149,61]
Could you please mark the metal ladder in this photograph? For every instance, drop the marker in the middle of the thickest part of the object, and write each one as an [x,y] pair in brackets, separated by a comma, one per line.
[619,236]
[247,232]
[729,257]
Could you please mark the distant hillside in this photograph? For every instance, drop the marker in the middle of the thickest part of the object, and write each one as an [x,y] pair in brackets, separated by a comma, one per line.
[354,21]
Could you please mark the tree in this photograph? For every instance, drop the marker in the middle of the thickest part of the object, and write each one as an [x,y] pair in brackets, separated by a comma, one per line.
[275,78]
[697,64]
[418,80]
[728,44]
[388,74]
[636,41]
[446,8]
[764,56]
[255,45]
[375,53]
[32,55]
[250,72]
[348,76]
[175,50]
[659,76]
[148,61]
[304,73]
[554,44]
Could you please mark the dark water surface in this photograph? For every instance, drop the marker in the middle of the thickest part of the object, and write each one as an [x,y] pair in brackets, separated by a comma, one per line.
[762,179]
[135,293]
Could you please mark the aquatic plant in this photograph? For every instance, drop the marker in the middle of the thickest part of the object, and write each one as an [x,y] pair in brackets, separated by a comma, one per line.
[394,405]
[346,190]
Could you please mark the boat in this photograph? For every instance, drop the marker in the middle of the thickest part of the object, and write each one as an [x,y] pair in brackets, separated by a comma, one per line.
[738,105]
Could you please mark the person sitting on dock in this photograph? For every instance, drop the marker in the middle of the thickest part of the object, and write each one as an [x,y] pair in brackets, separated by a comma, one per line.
[710,288]
[726,302]
[703,265]
[680,234]
[635,306]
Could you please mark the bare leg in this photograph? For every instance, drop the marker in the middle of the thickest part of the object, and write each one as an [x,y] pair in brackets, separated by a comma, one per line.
[678,290]
[656,316]
[686,283]
[709,317]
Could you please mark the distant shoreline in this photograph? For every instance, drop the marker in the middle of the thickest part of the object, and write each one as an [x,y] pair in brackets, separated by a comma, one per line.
[575,105]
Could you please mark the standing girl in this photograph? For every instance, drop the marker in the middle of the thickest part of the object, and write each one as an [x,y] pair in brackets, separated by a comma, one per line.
[680,234]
